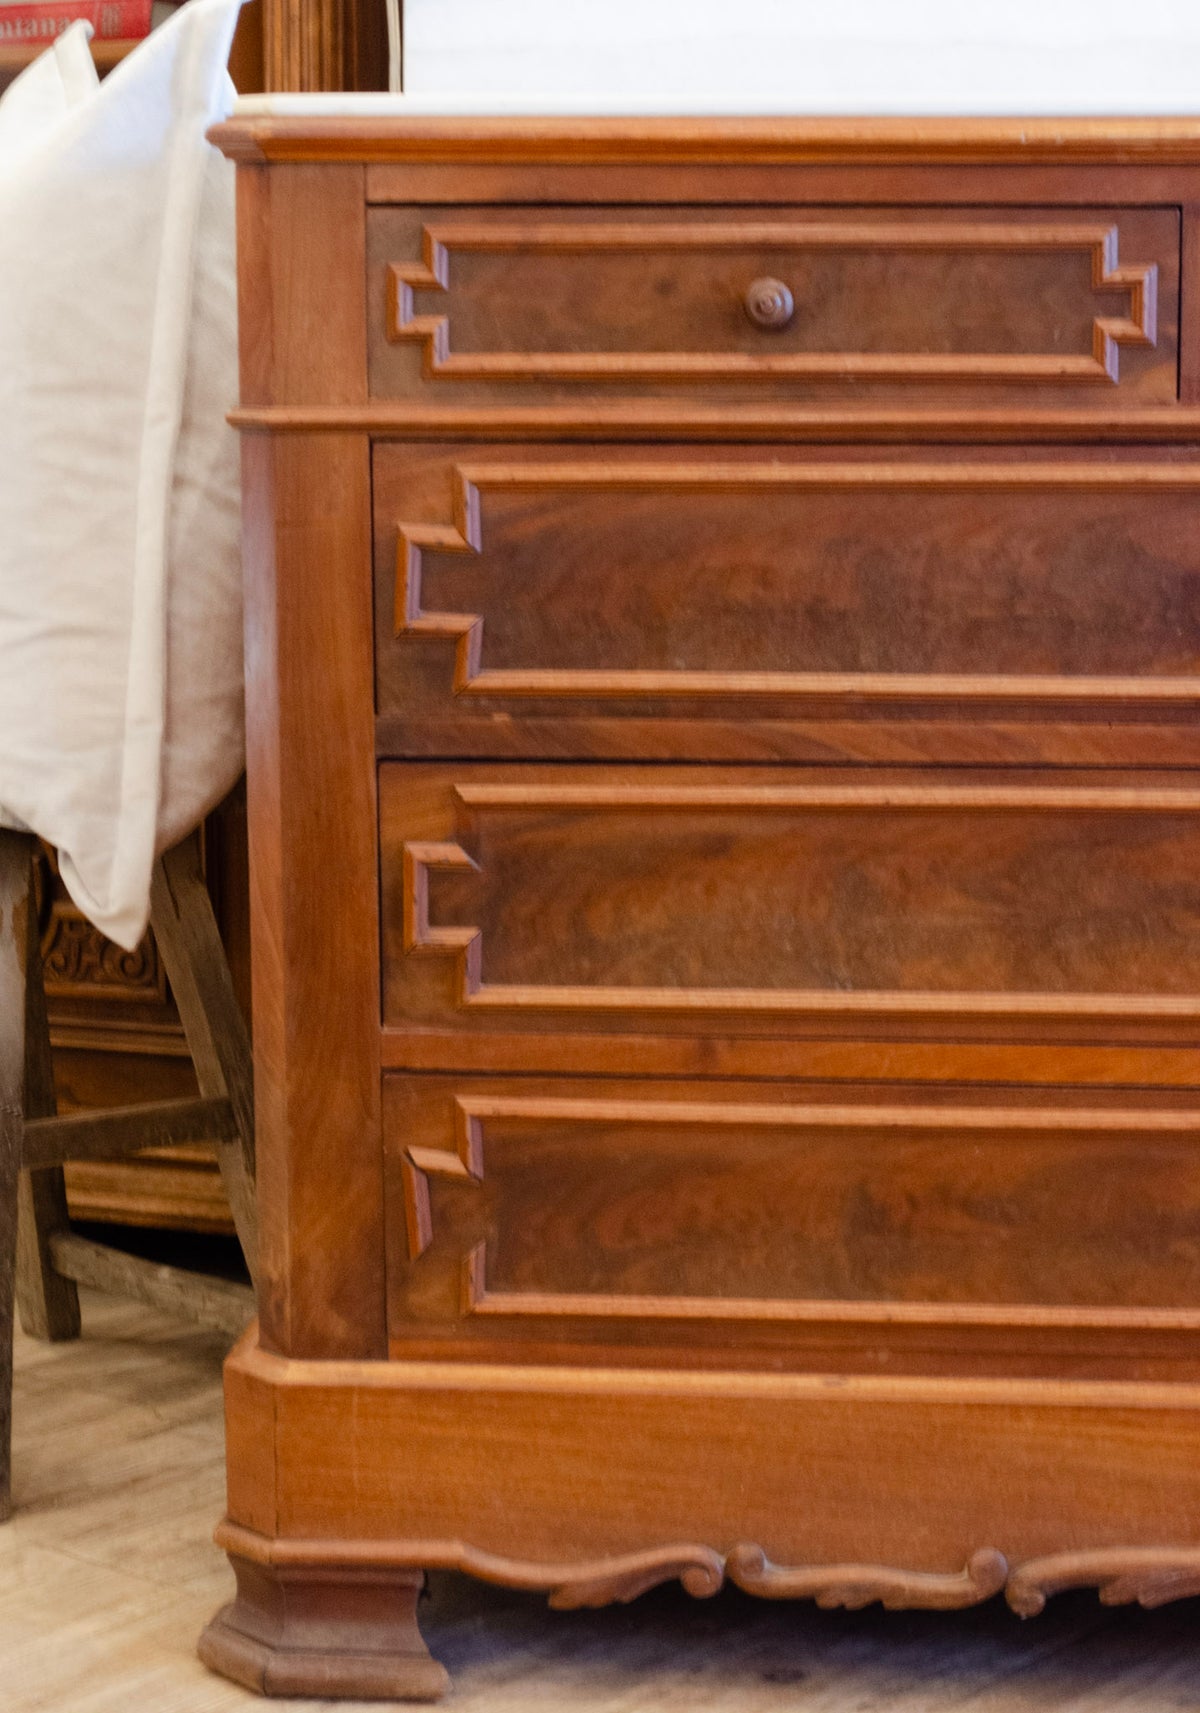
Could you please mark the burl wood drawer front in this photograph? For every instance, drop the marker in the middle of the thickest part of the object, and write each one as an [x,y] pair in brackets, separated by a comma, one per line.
[718,901]
[568,1209]
[710,603]
[859,305]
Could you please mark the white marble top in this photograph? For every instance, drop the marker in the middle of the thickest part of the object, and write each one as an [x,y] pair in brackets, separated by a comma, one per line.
[469,106]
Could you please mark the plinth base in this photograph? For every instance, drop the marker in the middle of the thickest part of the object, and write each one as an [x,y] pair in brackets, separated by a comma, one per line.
[349,1634]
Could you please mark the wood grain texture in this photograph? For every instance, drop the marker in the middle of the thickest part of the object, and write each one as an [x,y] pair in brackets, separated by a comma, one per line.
[310,774]
[313,840]
[321,45]
[726,901]
[641,420]
[1127,1447]
[603,593]
[893,733]
[1051,1057]
[304,47]
[631,298]
[301,254]
[126,1129]
[1024,142]
[174,1190]
[189,942]
[552,1210]
[786,182]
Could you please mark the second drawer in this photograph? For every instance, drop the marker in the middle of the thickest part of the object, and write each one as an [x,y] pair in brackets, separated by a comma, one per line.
[734,603]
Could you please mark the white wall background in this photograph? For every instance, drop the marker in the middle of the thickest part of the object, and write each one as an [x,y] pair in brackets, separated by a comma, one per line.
[811,56]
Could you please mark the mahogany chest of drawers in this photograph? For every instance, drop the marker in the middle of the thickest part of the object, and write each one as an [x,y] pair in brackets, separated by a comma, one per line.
[723,625]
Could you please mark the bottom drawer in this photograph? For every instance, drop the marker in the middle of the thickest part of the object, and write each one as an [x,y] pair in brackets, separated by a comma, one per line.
[791,1224]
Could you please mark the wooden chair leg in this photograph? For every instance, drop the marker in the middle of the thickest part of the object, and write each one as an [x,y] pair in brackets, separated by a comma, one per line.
[185,928]
[14,918]
[47,1302]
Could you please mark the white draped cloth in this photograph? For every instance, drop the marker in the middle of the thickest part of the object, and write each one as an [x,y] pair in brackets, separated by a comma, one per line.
[121,718]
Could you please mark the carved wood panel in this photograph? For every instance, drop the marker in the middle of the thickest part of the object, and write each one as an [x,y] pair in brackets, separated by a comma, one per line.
[926,300]
[730,901]
[79,963]
[655,603]
[755,1211]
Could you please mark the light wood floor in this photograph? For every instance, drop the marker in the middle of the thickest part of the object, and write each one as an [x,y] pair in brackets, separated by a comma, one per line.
[107,1575]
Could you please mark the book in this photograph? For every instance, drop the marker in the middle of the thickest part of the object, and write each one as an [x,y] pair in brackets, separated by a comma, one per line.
[34,21]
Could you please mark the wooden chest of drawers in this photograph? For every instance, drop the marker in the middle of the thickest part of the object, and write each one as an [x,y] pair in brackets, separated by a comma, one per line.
[723,629]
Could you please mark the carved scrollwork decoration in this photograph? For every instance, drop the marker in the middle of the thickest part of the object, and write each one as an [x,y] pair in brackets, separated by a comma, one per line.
[697,1568]
[1152,1576]
[78,962]
[858,1585]
[1149,1576]
[77,958]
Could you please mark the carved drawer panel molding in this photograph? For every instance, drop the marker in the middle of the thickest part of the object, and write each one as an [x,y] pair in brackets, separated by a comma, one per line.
[636,599]
[555,1206]
[779,301]
[727,900]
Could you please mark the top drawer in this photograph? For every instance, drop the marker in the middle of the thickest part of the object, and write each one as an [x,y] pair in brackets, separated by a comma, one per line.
[852,306]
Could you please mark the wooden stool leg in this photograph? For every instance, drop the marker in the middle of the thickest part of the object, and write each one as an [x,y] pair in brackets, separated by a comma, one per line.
[48,1302]
[14,924]
[186,930]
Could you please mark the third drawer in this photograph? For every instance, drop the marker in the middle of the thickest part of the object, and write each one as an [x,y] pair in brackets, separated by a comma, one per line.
[1007,924]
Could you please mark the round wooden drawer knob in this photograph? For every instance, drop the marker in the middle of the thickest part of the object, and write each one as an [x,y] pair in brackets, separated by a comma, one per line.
[769,303]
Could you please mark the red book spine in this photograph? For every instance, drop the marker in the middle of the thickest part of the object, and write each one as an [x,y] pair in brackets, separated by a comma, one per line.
[36,21]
